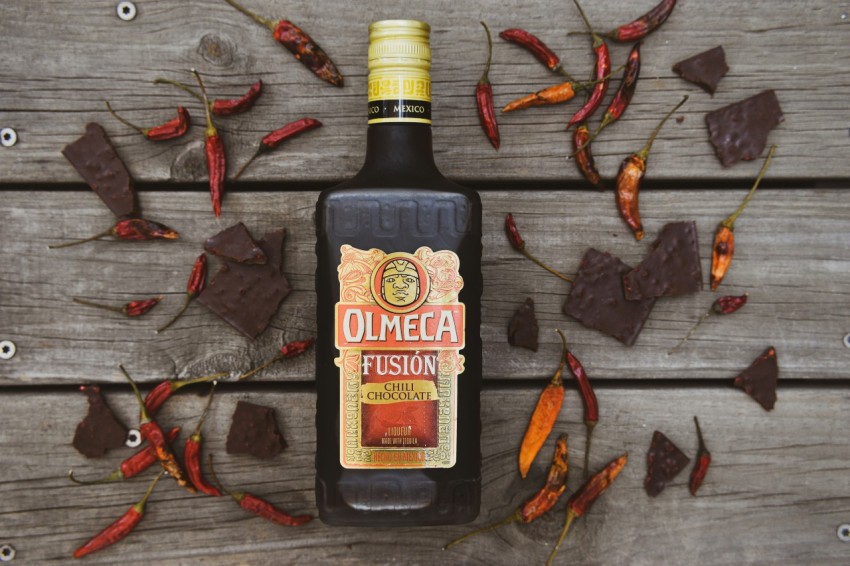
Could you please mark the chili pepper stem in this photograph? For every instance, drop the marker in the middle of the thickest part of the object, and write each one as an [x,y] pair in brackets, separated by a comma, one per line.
[216,481]
[506,521]
[571,516]
[557,380]
[606,121]
[546,267]
[247,163]
[180,86]
[197,432]
[484,76]
[730,221]
[261,367]
[702,318]
[144,417]
[140,505]
[257,18]
[211,130]
[77,242]
[701,448]
[114,476]
[98,305]
[178,315]
[644,153]
[122,120]
[589,425]
[561,71]
[597,41]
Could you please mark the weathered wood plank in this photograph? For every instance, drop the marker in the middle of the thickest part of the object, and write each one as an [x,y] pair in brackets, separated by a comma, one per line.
[56,75]
[776,491]
[796,269]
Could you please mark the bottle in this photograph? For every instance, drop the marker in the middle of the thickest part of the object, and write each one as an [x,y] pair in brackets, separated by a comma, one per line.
[398,285]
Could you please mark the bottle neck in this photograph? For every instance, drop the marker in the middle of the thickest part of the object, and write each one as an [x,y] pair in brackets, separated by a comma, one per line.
[399,153]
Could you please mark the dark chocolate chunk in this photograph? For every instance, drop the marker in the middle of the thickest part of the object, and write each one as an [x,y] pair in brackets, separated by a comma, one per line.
[523,329]
[597,299]
[760,379]
[272,246]
[93,156]
[254,432]
[739,131]
[100,430]
[704,70]
[672,267]
[664,461]
[246,296]
[236,244]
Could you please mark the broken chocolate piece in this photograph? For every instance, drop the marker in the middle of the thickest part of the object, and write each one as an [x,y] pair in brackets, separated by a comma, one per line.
[93,156]
[272,246]
[254,432]
[236,244]
[100,430]
[523,329]
[760,379]
[739,131]
[672,267]
[246,296]
[597,299]
[705,69]
[664,461]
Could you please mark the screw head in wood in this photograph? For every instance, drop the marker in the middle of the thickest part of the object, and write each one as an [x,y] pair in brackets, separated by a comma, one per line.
[134,438]
[7,350]
[843,532]
[847,340]
[7,553]
[126,11]
[8,137]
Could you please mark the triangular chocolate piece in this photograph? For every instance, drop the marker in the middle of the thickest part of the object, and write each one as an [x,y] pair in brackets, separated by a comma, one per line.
[597,299]
[236,244]
[93,156]
[705,69]
[672,267]
[664,461]
[739,131]
[272,246]
[760,379]
[523,329]
[254,432]
[99,431]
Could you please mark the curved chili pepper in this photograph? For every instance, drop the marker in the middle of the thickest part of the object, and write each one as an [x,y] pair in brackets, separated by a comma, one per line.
[152,432]
[539,503]
[120,528]
[644,25]
[131,309]
[289,350]
[631,173]
[536,47]
[132,229]
[197,280]
[157,396]
[519,245]
[584,157]
[192,455]
[603,69]
[484,97]
[170,130]
[723,305]
[702,463]
[299,44]
[588,399]
[582,500]
[223,106]
[273,139]
[724,237]
[131,466]
[214,149]
[544,416]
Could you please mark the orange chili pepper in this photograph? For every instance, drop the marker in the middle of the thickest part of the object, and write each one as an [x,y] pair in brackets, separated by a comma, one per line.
[724,237]
[544,416]
[554,94]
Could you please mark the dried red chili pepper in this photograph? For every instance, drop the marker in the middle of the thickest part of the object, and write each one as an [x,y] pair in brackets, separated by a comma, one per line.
[273,139]
[192,455]
[603,69]
[484,97]
[165,389]
[724,237]
[289,350]
[631,173]
[542,501]
[723,305]
[131,466]
[223,106]
[120,528]
[702,463]
[535,45]
[152,432]
[133,229]
[584,157]
[544,416]
[519,245]
[299,44]
[588,399]
[170,130]
[214,149]
[197,280]
[582,500]
[644,25]
[131,309]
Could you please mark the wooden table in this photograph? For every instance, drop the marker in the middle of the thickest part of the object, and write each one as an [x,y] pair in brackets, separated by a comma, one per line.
[778,488]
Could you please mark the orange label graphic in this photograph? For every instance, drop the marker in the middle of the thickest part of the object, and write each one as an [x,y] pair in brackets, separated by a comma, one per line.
[399,329]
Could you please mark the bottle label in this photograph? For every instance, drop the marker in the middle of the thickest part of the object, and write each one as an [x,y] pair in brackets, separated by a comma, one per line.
[399,97]
[399,329]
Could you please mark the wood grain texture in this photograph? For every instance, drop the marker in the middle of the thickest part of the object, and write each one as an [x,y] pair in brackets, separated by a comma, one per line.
[791,256]
[775,493]
[61,60]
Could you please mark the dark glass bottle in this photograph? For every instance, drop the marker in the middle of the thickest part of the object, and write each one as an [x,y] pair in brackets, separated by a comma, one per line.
[398,284]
